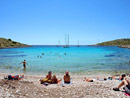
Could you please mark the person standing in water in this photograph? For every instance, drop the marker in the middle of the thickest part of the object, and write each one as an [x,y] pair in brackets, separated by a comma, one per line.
[24,64]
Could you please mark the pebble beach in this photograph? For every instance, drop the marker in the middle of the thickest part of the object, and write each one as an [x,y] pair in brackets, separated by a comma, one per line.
[30,87]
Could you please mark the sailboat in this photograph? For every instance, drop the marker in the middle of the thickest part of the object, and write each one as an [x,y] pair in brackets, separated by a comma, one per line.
[66,41]
[59,44]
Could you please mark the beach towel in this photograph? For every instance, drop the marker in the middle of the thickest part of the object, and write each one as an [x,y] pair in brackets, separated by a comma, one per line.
[65,83]
[127,89]
[127,94]
[45,84]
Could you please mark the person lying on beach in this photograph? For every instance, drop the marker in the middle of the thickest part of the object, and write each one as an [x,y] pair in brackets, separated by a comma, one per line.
[66,77]
[118,77]
[128,76]
[126,83]
[24,64]
[92,80]
[48,78]
[88,80]
[16,77]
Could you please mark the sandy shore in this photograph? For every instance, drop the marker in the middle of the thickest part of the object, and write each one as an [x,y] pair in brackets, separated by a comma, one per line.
[30,87]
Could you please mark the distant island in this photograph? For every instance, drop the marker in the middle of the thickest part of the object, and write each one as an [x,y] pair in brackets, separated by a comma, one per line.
[8,43]
[122,43]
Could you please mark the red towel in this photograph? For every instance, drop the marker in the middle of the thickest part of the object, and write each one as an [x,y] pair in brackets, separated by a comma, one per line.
[127,94]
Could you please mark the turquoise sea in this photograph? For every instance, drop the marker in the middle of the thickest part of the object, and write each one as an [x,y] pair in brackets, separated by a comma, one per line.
[77,60]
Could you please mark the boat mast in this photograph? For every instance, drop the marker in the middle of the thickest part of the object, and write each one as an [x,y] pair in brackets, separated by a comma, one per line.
[59,42]
[68,39]
[65,39]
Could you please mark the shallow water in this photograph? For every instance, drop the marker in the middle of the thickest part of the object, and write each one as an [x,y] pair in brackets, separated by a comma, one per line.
[77,60]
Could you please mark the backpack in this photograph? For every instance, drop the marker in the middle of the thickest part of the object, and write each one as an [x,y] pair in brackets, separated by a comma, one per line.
[127,89]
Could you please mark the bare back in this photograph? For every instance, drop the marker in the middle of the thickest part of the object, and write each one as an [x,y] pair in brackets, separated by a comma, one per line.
[66,78]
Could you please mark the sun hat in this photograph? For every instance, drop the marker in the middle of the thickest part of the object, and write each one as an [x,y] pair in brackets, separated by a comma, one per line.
[67,72]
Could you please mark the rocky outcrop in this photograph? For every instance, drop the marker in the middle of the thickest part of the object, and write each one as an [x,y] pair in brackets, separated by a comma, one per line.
[8,43]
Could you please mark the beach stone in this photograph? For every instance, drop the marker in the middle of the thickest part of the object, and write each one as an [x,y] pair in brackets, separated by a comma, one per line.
[79,89]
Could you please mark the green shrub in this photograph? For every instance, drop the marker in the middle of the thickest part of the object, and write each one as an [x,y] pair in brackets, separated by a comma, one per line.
[9,40]
[14,42]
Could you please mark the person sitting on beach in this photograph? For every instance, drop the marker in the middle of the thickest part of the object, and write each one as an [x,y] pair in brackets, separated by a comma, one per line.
[66,77]
[125,82]
[24,64]
[48,78]
[16,77]
[54,79]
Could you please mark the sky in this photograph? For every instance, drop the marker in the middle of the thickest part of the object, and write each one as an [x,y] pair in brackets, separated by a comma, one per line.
[45,22]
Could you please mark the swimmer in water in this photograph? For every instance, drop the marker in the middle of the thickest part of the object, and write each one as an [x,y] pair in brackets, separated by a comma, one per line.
[24,64]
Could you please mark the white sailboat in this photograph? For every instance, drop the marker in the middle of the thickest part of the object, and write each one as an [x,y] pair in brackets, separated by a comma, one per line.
[59,44]
[66,41]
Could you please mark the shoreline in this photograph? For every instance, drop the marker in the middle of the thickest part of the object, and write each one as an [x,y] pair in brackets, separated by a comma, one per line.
[119,46]
[16,47]
[92,74]
[124,46]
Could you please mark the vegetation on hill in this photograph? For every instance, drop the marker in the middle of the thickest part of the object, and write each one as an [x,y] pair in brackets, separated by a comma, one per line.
[8,43]
[118,42]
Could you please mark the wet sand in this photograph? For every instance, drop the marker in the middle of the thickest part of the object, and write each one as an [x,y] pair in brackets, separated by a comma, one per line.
[30,87]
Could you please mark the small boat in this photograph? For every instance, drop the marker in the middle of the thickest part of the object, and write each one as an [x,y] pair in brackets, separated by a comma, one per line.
[66,41]
[59,44]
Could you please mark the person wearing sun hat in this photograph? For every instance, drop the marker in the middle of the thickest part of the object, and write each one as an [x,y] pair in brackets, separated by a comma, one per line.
[66,77]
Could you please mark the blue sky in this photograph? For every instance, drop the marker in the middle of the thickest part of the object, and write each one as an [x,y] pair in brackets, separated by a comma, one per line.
[47,21]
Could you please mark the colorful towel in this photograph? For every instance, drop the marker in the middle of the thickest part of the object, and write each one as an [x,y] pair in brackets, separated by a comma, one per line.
[127,94]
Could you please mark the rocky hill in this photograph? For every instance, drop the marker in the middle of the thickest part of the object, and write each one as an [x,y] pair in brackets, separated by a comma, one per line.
[123,43]
[8,43]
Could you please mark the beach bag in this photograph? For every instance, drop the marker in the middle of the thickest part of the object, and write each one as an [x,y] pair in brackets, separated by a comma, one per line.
[127,89]
[10,77]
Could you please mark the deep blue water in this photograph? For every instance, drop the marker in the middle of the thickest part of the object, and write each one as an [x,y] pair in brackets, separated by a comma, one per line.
[77,60]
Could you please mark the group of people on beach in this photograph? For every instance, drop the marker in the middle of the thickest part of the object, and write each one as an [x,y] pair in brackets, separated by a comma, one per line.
[120,78]
[53,79]
[123,82]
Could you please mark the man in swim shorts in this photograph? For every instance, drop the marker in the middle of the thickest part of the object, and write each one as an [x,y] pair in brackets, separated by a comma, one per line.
[24,64]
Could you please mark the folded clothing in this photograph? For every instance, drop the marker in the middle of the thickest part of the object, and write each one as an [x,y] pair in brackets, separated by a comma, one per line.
[16,77]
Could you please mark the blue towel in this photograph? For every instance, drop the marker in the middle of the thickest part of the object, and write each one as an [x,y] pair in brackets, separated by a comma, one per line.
[65,83]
